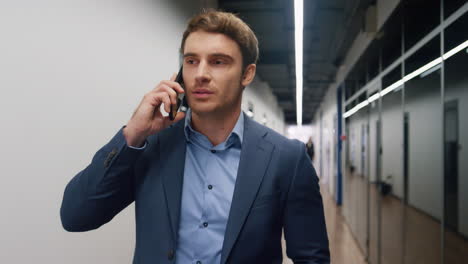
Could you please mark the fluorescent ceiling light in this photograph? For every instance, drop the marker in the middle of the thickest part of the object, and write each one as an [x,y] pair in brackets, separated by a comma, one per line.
[347,114]
[374,97]
[391,87]
[298,27]
[363,104]
[423,71]
[455,50]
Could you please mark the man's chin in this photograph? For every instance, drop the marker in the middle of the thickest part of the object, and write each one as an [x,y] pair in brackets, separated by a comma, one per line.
[203,109]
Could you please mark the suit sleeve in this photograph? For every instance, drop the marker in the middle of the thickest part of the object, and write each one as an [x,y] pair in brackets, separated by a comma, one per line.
[103,189]
[304,221]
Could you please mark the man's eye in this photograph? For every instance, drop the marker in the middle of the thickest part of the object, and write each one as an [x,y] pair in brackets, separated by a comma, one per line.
[190,61]
[218,62]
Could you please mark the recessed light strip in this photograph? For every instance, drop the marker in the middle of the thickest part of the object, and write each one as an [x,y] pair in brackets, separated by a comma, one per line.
[298,27]
[423,71]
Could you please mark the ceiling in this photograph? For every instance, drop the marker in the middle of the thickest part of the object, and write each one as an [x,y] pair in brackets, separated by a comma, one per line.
[330,27]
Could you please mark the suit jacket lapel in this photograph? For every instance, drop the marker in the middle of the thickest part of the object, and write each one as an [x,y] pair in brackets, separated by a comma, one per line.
[255,157]
[173,148]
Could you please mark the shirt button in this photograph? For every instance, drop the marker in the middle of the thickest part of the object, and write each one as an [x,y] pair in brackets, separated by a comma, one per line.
[210,186]
[205,224]
[170,255]
[198,262]
[213,151]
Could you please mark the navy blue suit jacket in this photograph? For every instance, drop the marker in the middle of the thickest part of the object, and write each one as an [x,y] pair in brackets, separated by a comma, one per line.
[276,188]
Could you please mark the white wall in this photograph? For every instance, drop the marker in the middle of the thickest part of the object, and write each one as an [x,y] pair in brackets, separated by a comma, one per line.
[324,140]
[426,151]
[72,73]
[355,141]
[265,105]
[392,141]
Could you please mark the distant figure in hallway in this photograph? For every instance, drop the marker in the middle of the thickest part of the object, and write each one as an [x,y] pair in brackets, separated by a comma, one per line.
[310,149]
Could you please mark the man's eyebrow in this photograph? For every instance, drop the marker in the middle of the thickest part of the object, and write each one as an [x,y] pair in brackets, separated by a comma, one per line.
[223,55]
[190,55]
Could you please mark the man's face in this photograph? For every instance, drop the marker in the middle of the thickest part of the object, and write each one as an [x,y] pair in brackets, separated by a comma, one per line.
[213,73]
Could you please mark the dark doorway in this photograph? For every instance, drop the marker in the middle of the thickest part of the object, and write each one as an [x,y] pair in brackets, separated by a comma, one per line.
[451,165]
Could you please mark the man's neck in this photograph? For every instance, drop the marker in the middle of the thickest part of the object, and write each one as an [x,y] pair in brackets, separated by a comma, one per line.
[215,128]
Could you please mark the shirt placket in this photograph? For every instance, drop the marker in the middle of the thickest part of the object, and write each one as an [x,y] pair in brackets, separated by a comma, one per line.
[209,168]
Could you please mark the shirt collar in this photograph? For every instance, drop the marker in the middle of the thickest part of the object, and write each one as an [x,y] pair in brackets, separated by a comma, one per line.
[238,129]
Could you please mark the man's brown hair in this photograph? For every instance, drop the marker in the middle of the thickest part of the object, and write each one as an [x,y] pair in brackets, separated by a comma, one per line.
[230,25]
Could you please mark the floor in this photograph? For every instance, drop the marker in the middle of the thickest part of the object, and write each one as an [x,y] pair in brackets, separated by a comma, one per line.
[343,247]
[408,235]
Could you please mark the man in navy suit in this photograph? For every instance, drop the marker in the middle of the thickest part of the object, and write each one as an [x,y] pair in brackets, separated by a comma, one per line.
[211,186]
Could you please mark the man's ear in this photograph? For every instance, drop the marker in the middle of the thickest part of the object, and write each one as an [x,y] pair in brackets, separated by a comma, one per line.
[249,74]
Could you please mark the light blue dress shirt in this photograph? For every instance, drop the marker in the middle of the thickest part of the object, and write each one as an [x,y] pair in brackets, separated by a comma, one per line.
[209,179]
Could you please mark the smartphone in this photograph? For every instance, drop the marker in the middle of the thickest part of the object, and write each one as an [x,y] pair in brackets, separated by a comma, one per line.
[181,100]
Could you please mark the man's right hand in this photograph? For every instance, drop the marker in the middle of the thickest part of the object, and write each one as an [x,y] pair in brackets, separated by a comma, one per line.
[147,118]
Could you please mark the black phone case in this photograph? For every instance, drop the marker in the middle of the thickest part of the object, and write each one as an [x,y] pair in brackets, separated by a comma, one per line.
[181,101]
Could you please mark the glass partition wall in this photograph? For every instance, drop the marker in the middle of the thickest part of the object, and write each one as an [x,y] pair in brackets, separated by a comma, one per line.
[455,144]
[407,138]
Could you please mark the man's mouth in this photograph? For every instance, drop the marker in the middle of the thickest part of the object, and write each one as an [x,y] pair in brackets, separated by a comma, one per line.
[202,93]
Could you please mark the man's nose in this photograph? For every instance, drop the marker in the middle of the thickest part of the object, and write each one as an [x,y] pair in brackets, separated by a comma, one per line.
[203,73]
